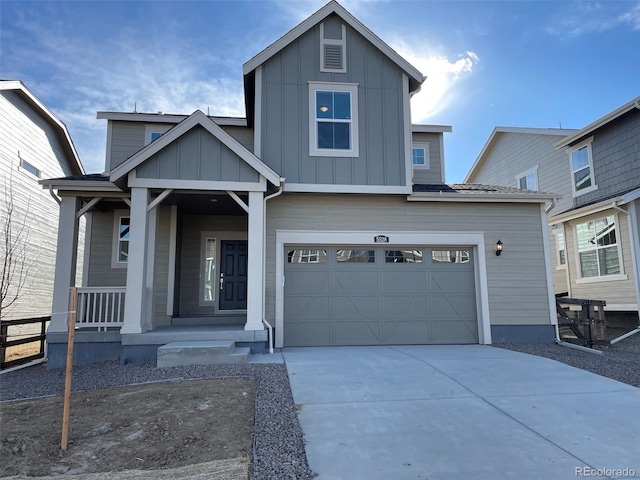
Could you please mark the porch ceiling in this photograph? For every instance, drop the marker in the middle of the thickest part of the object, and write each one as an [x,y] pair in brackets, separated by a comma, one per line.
[206,204]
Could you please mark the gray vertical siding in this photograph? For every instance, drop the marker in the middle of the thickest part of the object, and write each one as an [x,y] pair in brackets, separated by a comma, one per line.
[517,284]
[616,158]
[285,114]
[436,164]
[100,272]
[126,139]
[26,135]
[197,155]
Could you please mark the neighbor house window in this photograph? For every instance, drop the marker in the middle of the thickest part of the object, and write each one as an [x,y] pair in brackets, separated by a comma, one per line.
[528,181]
[562,252]
[153,132]
[121,226]
[333,125]
[27,167]
[420,155]
[598,247]
[582,169]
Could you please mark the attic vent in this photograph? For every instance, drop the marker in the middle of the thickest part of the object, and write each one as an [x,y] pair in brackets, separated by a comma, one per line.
[332,50]
[333,57]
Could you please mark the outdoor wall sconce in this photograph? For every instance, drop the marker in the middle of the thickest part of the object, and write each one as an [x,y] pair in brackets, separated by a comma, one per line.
[498,248]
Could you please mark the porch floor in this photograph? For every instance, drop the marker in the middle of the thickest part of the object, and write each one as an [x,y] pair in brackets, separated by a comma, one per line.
[190,333]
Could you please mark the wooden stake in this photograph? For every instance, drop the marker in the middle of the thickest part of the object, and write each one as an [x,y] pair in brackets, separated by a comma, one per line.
[67,382]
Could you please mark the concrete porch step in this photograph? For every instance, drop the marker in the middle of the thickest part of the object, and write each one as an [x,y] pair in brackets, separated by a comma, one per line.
[211,352]
[237,319]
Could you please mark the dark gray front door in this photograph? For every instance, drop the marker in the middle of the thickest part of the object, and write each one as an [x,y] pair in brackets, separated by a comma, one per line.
[379,296]
[233,275]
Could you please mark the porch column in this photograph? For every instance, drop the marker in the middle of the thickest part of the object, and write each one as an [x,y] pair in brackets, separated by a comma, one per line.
[66,259]
[255,240]
[135,299]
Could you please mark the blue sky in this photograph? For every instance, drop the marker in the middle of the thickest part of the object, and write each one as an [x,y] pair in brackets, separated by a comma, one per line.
[507,63]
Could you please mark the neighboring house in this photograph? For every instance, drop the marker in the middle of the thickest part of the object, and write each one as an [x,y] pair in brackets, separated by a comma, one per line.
[595,173]
[34,144]
[324,212]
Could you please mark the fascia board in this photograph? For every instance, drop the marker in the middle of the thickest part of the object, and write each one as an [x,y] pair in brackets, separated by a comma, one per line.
[631,196]
[49,116]
[312,21]
[627,107]
[584,211]
[80,185]
[197,118]
[421,128]
[480,198]
[166,118]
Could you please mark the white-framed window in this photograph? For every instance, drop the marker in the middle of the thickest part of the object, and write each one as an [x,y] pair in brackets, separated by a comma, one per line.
[153,132]
[333,52]
[561,250]
[598,252]
[582,178]
[30,168]
[528,180]
[333,120]
[120,250]
[420,156]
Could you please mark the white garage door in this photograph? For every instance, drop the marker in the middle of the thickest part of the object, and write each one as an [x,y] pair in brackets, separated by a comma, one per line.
[379,296]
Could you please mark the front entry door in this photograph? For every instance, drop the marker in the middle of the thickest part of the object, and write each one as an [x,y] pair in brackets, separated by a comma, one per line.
[233,275]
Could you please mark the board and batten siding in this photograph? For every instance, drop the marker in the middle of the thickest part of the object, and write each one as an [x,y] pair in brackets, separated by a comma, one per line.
[616,158]
[26,135]
[192,228]
[517,285]
[434,174]
[513,154]
[197,155]
[285,114]
[614,292]
[128,138]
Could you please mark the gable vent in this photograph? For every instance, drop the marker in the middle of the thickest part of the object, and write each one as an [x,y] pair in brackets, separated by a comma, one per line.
[333,57]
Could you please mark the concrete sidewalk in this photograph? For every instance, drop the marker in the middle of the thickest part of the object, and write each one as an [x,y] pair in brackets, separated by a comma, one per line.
[460,412]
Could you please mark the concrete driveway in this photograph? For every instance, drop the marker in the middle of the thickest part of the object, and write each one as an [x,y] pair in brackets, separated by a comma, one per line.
[460,412]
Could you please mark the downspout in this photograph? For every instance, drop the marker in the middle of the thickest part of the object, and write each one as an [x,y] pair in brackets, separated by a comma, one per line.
[55,197]
[264,261]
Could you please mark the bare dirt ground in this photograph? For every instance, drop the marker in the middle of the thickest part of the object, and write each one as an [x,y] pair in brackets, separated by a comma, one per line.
[188,429]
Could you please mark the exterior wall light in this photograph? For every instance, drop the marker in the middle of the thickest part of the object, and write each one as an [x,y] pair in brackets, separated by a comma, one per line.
[498,248]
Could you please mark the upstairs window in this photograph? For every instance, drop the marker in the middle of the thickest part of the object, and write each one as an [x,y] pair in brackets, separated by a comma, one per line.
[27,167]
[420,155]
[528,181]
[333,125]
[582,168]
[598,247]
[153,132]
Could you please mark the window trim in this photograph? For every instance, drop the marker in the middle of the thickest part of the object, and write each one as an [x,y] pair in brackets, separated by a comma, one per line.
[342,43]
[427,158]
[115,241]
[574,148]
[351,88]
[150,129]
[525,174]
[598,278]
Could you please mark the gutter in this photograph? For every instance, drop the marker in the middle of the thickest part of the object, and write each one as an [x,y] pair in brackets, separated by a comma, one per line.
[55,197]
[264,261]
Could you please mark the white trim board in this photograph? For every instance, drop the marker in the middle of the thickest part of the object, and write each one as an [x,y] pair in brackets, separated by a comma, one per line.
[344,238]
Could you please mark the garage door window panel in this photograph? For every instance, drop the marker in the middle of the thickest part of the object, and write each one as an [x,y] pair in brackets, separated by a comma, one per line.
[450,256]
[403,256]
[307,256]
[355,256]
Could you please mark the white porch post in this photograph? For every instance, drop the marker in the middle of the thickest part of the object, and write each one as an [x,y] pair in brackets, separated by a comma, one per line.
[255,287]
[66,258]
[135,300]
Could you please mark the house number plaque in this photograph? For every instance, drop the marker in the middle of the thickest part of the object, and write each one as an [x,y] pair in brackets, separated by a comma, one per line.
[381,239]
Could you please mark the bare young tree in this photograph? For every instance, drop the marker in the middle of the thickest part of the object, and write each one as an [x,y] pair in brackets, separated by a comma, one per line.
[13,249]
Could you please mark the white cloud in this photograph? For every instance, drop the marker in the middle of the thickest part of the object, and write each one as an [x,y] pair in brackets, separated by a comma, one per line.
[443,74]
[589,17]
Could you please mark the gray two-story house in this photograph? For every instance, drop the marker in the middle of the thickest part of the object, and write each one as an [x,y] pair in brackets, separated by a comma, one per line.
[595,173]
[321,217]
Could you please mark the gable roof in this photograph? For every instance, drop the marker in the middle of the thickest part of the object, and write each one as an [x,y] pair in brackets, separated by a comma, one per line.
[59,127]
[197,118]
[592,127]
[563,132]
[333,7]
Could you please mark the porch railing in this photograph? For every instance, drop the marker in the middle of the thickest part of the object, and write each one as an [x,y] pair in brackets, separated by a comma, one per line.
[100,307]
